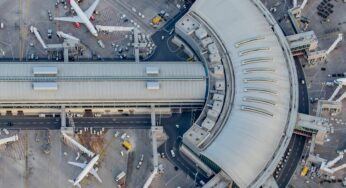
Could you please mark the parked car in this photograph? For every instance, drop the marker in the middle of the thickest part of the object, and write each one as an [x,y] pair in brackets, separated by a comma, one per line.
[172,153]
[10,124]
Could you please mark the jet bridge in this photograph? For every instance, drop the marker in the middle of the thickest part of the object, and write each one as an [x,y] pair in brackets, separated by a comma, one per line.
[69,42]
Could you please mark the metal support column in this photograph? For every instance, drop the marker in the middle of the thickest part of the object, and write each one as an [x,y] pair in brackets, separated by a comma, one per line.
[65,55]
[63,117]
[154,144]
[136,46]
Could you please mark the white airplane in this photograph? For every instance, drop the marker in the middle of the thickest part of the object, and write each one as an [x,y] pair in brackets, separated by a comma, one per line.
[87,168]
[82,17]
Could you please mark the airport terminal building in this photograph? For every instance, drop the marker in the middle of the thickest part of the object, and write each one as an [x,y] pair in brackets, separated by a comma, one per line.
[245,82]
[36,87]
[251,107]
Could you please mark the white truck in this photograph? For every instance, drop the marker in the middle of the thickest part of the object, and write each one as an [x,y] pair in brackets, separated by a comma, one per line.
[120,176]
[172,153]
[101,44]
[6,131]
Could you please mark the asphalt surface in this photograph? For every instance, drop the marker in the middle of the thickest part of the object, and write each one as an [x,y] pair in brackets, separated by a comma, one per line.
[303,90]
[297,145]
[297,142]
[129,122]
[165,49]
[30,123]
[175,134]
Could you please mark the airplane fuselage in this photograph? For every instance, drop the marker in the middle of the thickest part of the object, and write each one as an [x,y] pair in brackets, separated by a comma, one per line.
[86,170]
[86,20]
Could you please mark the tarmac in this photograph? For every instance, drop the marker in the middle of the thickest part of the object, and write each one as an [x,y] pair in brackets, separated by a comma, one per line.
[17,43]
[316,78]
[28,166]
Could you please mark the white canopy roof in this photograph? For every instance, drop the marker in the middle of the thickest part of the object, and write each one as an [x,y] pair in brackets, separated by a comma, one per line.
[103,82]
[263,94]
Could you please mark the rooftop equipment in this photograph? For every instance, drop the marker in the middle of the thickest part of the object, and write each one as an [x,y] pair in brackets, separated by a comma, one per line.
[45,71]
[45,86]
[153,85]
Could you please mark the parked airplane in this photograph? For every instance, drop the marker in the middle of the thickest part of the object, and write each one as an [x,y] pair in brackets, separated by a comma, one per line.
[82,17]
[87,168]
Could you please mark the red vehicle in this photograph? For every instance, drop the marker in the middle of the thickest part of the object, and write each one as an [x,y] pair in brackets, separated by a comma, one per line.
[76,25]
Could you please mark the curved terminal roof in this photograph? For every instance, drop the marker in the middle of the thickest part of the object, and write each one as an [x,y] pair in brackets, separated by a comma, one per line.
[264,88]
[102,82]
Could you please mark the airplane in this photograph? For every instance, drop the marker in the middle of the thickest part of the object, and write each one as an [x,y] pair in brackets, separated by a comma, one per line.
[82,17]
[87,168]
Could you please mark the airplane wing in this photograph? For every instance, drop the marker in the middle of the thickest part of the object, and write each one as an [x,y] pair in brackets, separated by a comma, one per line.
[89,12]
[70,19]
[94,173]
[80,165]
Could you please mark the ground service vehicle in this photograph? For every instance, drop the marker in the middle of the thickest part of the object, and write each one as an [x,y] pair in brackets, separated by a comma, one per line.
[120,176]
[127,145]
[156,20]
[304,171]
[172,153]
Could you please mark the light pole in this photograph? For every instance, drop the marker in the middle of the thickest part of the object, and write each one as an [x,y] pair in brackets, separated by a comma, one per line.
[195,178]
